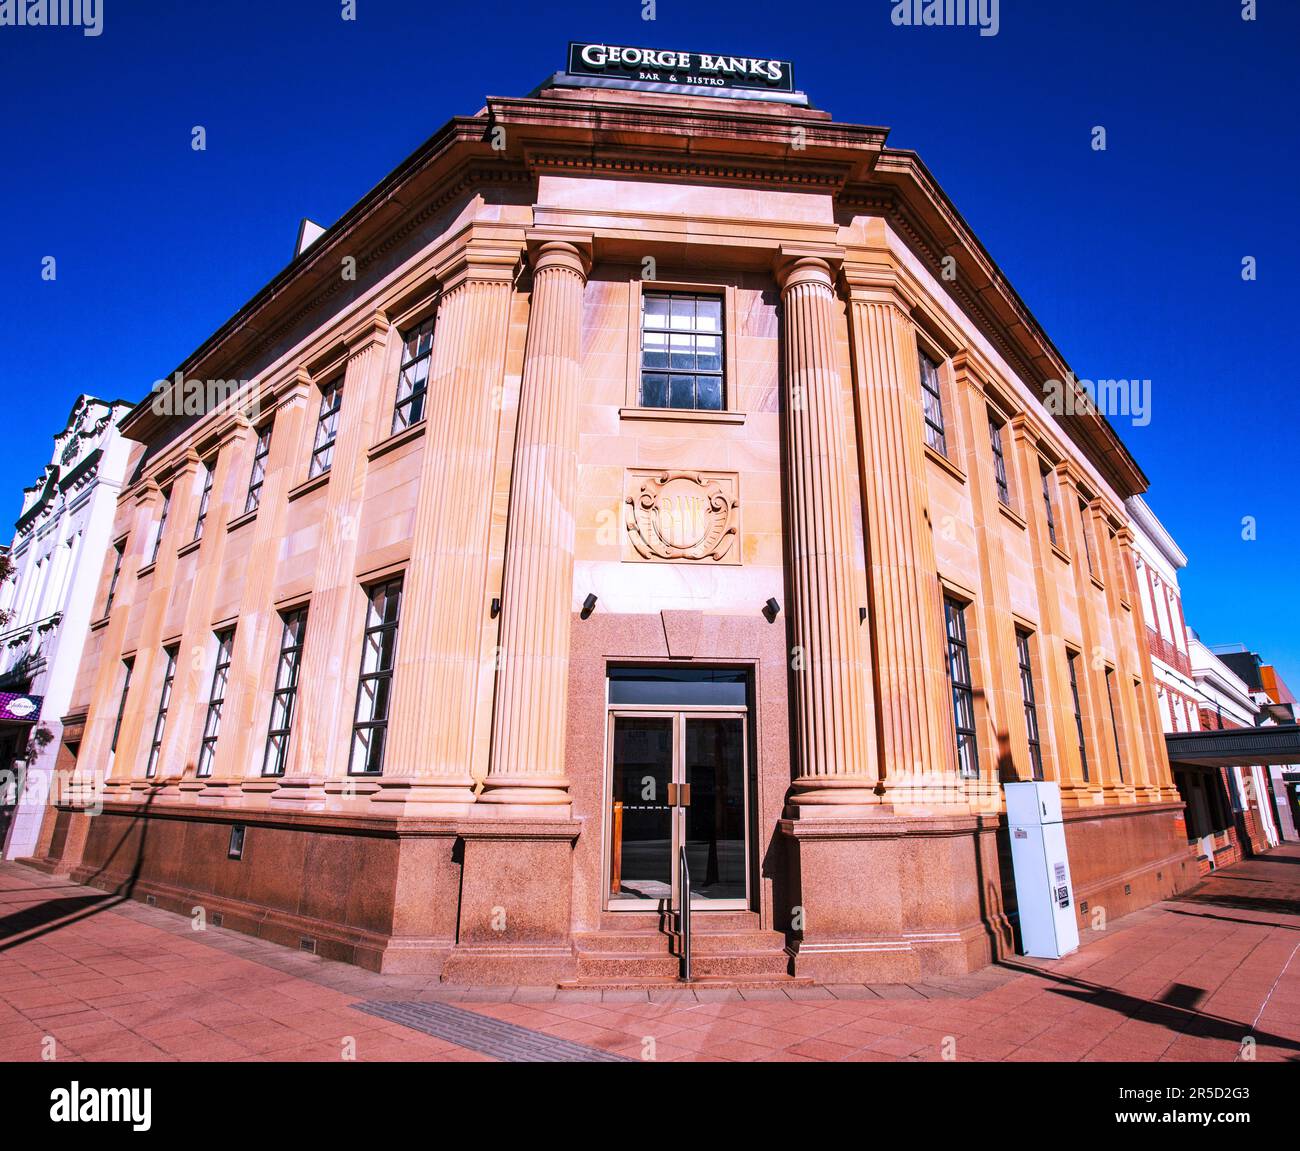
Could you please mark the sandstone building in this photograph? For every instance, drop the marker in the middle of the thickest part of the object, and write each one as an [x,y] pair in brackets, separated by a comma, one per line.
[672,483]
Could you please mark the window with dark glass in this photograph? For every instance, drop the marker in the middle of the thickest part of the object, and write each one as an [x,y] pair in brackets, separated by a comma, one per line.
[963,693]
[162,525]
[1027,693]
[1114,721]
[205,498]
[681,351]
[258,475]
[164,702]
[999,461]
[932,402]
[118,551]
[128,666]
[327,429]
[216,702]
[413,379]
[375,685]
[1047,506]
[285,698]
[1073,659]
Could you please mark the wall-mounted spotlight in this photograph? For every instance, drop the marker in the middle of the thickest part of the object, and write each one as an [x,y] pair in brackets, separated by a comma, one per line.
[771,609]
[862,615]
[588,605]
[496,607]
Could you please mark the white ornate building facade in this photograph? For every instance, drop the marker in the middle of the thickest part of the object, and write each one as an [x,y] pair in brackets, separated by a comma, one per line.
[58,552]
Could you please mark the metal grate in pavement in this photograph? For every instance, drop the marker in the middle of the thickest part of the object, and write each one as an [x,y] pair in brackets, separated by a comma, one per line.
[505,1041]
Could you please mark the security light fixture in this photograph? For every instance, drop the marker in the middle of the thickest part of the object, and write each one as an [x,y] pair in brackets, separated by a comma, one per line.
[588,605]
[771,609]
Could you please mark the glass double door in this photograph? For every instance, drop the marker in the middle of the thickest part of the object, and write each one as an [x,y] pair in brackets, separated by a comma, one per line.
[679,779]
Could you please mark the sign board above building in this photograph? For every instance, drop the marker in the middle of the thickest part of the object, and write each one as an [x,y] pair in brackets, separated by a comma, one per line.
[695,70]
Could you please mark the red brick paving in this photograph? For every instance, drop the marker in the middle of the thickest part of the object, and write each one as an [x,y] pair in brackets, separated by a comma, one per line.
[114,980]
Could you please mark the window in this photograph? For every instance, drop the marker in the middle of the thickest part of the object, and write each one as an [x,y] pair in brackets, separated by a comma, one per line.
[1087,545]
[932,403]
[162,525]
[413,380]
[327,428]
[206,498]
[286,692]
[374,688]
[216,701]
[999,462]
[164,702]
[681,351]
[118,550]
[1072,657]
[1027,693]
[963,696]
[1051,515]
[1114,725]
[258,475]
[128,665]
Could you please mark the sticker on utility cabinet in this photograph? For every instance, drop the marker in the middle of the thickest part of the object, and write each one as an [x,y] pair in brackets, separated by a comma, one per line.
[1062,885]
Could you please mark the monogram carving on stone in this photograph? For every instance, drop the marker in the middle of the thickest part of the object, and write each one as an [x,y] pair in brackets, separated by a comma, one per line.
[683,515]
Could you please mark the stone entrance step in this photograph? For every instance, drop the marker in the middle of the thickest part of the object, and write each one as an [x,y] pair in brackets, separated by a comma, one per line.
[635,958]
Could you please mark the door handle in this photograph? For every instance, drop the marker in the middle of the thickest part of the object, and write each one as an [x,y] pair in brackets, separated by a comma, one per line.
[679,795]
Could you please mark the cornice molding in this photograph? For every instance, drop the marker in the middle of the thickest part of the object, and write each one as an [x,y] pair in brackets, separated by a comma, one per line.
[792,174]
[995,307]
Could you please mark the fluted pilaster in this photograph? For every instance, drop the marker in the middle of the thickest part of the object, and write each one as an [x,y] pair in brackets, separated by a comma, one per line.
[328,678]
[831,680]
[917,758]
[446,602]
[532,685]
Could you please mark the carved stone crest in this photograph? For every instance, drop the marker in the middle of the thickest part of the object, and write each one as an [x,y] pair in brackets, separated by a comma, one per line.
[683,515]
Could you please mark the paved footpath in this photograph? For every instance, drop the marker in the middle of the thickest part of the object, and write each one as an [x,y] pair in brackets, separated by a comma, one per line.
[102,978]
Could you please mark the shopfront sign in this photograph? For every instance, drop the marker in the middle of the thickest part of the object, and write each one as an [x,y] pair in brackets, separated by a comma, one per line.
[19,708]
[683,69]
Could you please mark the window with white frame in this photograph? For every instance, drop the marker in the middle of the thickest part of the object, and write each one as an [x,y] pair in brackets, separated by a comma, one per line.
[681,351]
[216,702]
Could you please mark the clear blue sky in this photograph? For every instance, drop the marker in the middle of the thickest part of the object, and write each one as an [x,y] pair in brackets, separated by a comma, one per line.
[1130,258]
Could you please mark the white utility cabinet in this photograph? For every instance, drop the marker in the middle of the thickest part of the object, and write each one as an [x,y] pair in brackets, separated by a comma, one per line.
[1044,893]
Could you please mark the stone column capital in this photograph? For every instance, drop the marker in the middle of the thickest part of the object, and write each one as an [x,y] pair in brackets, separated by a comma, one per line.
[296,392]
[481,259]
[795,264]
[1068,475]
[867,282]
[1023,430]
[557,249]
[369,330]
[148,491]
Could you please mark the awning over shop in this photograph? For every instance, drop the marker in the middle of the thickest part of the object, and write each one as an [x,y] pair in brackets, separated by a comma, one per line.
[1235,747]
[20,708]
